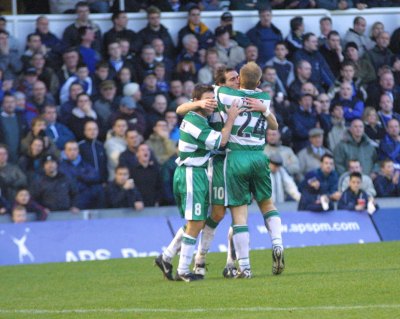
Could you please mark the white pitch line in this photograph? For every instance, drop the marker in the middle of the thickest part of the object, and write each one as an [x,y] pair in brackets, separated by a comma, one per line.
[196,310]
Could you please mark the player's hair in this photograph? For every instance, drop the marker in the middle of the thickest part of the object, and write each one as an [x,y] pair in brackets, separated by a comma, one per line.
[200,89]
[356,174]
[250,75]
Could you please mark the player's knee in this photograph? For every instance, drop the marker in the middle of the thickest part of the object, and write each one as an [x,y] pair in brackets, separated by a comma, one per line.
[217,213]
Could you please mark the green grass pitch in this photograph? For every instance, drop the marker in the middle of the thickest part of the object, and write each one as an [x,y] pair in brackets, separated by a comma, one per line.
[349,281]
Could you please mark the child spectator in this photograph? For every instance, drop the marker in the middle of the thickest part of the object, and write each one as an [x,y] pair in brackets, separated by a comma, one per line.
[121,192]
[354,198]
[23,199]
[82,77]
[162,83]
[18,214]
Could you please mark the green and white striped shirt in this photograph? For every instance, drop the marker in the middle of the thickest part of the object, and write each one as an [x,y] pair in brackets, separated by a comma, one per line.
[197,140]
[248,132]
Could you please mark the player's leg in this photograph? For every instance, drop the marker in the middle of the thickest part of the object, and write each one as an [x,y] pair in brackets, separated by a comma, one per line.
[217,198]
[262,190]
[241,240]
[273,224]
[195,212]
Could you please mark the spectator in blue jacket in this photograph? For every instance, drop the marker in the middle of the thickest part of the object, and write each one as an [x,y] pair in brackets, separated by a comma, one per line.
[353,107]
[90,191]
[321,72]
[389,147]
[302,121]
[57,132]
[354,198]
[320,187]
[265,35]
[387,182]
[93,151]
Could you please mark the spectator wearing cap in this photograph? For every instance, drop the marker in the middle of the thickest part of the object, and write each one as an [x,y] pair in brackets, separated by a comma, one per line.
[310,156]
[115,144]
[71,34]
[358,36]
[194,26]
[116,62]
[302,121]
[11,176]
[133,90]
[82,77]
[364,69]
[13,127]
[55,130]
[320,187]
[155,30]
[160,142]
[265,35]
[89,55]
[321,72]
[355,144]
[121,191]
[82,113]
[93,151]
[26,81]
[229,52]
[107,103]
[88,181]
[353,107]
[227,22]
[120,31]
[55,190]
[128,111]
[8,63]
[283,185]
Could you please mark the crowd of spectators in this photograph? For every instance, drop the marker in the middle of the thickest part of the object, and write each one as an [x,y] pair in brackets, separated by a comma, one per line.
[88,120]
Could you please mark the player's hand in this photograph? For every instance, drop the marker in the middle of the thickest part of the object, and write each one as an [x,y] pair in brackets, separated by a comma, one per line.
[234,110]
[254,105]
[208,104]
